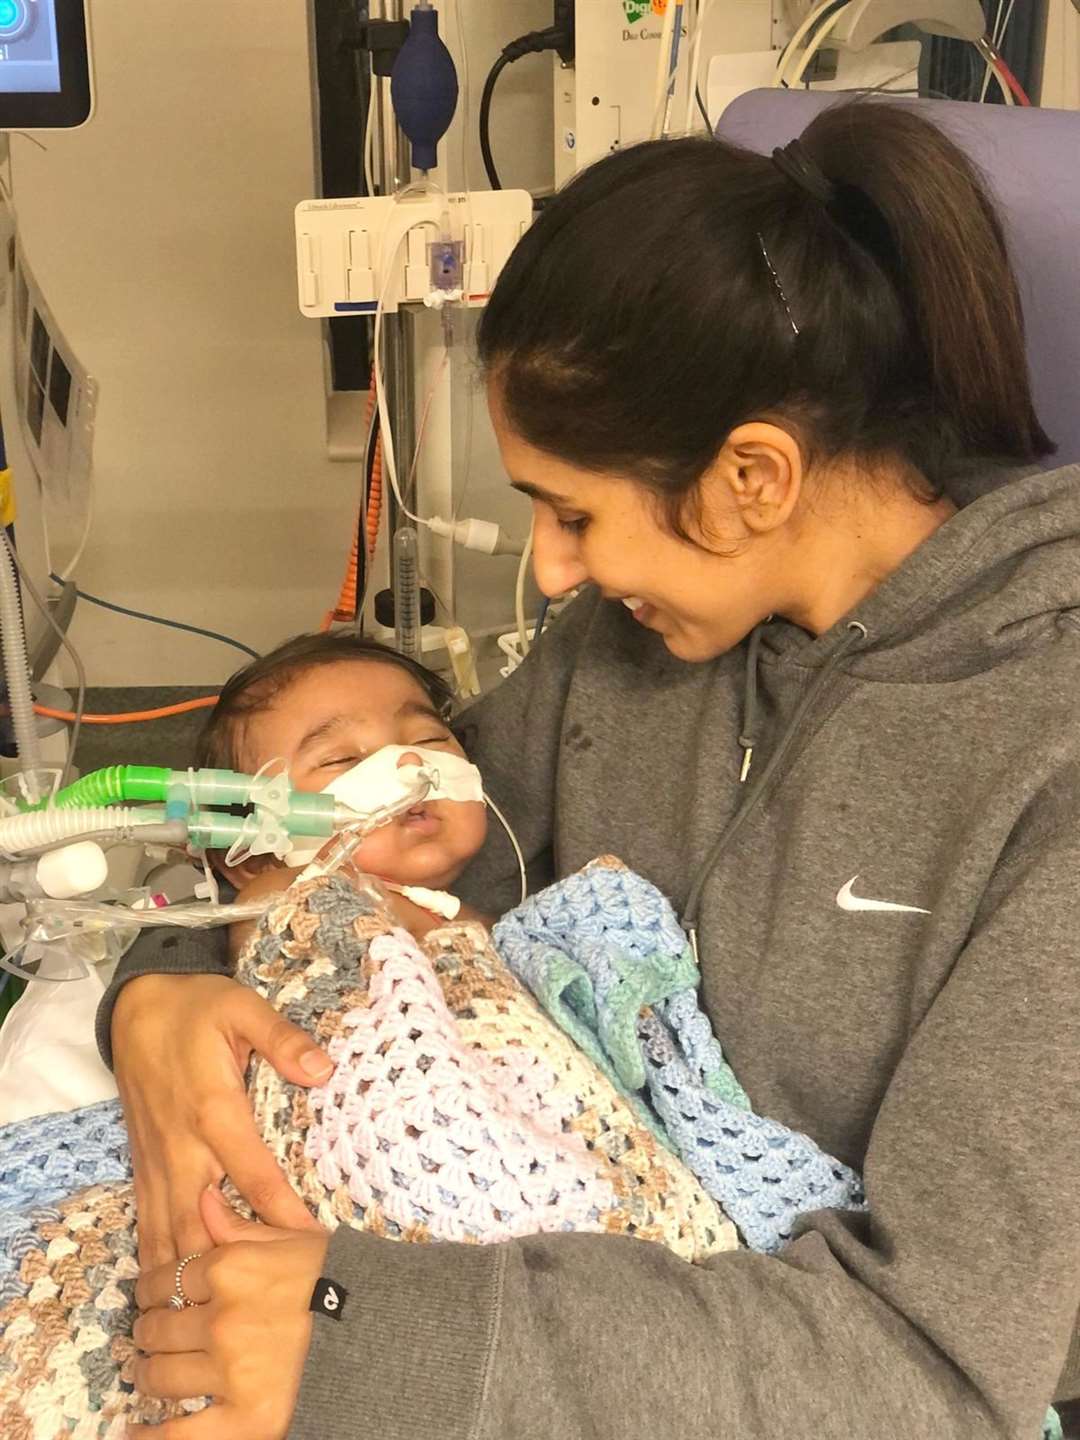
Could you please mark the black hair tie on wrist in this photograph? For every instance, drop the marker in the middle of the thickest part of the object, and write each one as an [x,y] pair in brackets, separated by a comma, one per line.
[848,206]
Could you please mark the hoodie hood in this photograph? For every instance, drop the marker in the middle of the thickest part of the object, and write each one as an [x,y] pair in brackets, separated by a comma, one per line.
[995,578]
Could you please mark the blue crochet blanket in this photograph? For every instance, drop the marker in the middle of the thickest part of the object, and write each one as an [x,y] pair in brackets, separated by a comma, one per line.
[604,954]
[45,1159]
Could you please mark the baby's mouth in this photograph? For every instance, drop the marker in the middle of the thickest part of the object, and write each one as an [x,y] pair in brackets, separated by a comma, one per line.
[420,818]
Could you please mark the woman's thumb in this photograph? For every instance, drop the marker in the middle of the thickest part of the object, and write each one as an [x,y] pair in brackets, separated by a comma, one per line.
[283,1045]
[223,1223]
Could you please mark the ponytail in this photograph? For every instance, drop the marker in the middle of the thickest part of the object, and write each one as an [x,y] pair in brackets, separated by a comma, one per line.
[953,269]
[679,288]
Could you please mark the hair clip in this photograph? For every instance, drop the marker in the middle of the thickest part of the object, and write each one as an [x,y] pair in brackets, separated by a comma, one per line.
[776,282]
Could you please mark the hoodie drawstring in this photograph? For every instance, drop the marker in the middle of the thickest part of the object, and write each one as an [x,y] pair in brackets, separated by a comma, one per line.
[749,719]
[856,633]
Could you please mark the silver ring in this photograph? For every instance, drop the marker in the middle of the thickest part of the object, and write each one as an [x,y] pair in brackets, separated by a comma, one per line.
[180,1301]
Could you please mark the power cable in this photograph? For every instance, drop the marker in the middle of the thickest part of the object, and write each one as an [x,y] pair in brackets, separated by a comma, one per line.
[558,37]
[485,121]
[161,620]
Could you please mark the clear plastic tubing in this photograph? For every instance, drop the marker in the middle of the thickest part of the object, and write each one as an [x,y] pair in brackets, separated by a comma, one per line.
[406,579]
[16,672]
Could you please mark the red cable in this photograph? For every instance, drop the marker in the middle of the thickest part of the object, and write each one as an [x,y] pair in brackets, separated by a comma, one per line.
[1008,76]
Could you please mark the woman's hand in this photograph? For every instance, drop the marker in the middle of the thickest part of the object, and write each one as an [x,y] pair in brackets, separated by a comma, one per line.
[181,1045]
[245,1340]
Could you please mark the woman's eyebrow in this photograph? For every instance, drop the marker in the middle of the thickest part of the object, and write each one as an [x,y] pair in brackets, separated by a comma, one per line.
[535,492]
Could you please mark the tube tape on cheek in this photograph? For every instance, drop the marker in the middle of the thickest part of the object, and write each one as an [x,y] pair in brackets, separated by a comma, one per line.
[382,780]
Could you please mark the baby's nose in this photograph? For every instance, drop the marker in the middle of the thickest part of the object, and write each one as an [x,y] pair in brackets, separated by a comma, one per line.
[409,758]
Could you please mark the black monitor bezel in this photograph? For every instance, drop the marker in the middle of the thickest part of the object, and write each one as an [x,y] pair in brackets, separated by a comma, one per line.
[72,103]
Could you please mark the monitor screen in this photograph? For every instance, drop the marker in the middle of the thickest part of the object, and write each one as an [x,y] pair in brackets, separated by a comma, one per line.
[44,64]
[29,54]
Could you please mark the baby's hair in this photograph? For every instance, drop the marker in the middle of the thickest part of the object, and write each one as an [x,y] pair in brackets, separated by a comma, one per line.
[253,688]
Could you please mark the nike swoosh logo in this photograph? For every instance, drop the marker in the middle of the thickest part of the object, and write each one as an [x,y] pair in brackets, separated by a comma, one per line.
[851,902]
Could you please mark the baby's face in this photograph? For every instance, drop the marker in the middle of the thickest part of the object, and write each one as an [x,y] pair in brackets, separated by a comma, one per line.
[332,717]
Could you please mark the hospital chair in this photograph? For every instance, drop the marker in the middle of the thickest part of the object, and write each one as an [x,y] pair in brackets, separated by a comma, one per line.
[1030,159]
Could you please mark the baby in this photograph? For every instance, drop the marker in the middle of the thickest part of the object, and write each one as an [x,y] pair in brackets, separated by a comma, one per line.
[456,1110]
[322,704]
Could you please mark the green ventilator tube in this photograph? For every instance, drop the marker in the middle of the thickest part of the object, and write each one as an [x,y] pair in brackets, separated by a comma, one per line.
[116,785]
[306,813]
[312,813]
[213,830]
[127,784]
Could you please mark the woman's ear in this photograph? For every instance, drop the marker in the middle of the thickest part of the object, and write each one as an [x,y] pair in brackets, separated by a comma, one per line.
[758,474]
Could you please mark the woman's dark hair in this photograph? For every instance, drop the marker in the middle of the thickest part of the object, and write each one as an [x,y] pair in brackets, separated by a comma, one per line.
[253,688]
[654,306]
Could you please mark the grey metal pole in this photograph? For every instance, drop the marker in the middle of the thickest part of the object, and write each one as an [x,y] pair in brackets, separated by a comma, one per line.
[394,172]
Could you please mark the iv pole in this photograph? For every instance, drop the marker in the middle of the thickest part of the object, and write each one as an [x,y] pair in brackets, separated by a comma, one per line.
[393,171]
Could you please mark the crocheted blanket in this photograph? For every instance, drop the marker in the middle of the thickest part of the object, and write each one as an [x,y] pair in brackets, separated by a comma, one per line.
[456,1111]
[605,955]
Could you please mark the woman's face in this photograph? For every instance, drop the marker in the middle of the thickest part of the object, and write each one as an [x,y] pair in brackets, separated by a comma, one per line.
[701,599]
[333,716]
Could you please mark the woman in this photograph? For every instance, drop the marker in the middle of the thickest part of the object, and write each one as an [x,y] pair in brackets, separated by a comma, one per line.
[769,405]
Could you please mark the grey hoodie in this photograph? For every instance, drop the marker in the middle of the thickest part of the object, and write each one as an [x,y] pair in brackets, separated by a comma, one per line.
[924,753]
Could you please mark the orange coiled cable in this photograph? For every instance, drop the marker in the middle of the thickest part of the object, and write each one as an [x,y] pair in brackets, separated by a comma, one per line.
[345,609]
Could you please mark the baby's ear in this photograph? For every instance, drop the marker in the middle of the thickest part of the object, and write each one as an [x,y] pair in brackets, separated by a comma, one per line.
[243,874]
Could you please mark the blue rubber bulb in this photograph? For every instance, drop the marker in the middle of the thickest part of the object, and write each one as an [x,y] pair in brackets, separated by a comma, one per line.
[424,88]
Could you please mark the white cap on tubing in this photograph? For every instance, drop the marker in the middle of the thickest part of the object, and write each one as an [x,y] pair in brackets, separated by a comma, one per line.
[74,870]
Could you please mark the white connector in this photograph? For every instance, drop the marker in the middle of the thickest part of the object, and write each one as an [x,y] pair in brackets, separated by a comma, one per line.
[463,661]
[439,299]
[483,536]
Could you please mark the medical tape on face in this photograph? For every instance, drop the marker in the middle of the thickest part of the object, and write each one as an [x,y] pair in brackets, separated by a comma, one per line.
[382,780]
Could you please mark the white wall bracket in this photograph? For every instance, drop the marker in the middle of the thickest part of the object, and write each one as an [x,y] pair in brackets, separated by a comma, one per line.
[353,254]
